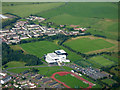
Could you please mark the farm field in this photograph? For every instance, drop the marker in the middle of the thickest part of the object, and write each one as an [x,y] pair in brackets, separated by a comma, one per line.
[15,64]
[102,61]
[28,8]
[85,45]
[101,17]
[108,81]
[72,81]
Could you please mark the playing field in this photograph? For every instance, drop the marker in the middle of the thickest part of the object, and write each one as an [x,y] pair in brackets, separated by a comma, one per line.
[102,61]
[26,9]
[86,44]
[39,48]
[71,81]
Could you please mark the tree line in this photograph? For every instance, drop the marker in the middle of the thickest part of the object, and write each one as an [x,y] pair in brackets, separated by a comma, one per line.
[10,55]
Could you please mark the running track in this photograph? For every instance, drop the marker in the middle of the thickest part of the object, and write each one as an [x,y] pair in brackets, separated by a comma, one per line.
[64,73]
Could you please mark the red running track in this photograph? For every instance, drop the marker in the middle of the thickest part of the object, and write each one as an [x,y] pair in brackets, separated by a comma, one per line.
[64,73]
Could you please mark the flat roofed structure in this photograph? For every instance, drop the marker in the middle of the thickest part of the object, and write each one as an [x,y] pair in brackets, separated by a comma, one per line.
[57,56]
[60,52]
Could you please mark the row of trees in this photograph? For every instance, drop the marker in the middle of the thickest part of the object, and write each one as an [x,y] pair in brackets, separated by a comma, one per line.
[10,55]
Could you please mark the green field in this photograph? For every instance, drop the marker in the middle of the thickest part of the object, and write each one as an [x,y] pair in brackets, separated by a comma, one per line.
[39,48]
[101,17]
[48,71]
[108,81]
[43,47]
[84,45]
[15,64]
[71,81]
[27,9]
[102,61]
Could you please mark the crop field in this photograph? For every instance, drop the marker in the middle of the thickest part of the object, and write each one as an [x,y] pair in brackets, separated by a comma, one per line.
[102,61]
[27,9]
[85,45]
[108,81]
[72,81]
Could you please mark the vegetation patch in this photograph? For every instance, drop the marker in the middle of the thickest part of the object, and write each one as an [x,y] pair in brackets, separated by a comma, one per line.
[108,81]
[85,45]
[14,64]
[102,61]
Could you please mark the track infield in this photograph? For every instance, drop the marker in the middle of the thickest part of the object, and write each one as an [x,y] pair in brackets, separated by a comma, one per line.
[78,77]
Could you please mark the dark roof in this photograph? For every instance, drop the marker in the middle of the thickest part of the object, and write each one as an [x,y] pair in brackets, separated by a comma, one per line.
[53,83]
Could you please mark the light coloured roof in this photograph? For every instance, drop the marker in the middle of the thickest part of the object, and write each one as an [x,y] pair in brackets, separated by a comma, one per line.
[53,54]
[60,51]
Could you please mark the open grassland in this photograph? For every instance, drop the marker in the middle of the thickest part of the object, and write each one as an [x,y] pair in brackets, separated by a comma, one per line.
[72,81]
[27,9]
[108,81]
[48,71]
[86,45]
[102,61]
[15,64]
[101,17]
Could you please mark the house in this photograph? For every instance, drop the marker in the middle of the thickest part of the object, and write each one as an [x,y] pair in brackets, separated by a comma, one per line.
[57,56]
[5,79]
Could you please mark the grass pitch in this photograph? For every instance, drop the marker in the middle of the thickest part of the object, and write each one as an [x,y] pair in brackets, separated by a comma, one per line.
[102,61]
[108,81]
[39,48]
[86,44]
[71,81]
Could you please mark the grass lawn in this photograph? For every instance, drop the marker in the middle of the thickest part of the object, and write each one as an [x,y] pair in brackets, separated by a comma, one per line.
[71,81]
[15,64]
[48,71]
[26,9]
[86,44]
[108,81]
[102,61]
[39,48]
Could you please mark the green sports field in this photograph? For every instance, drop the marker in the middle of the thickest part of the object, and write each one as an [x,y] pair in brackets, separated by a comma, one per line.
[39,48]
[86,44]
[71,81]
[102,61]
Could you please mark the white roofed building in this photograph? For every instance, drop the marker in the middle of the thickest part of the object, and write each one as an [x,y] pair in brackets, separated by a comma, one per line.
[57,56]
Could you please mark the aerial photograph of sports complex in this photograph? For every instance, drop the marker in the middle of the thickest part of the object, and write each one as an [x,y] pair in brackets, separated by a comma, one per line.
[59,45]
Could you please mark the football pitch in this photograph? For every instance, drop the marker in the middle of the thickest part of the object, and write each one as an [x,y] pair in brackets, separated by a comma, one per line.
[85,45]
[102,61]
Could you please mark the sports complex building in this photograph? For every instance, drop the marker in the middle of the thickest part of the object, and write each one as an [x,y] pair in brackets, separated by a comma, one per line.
[58,56]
